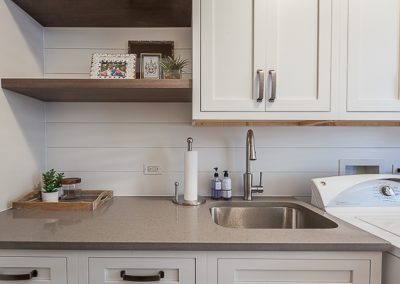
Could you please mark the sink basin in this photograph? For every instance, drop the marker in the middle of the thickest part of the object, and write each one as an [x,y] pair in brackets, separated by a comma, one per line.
[269,215]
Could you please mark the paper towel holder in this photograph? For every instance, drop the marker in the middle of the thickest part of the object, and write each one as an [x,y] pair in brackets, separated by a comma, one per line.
[200,200]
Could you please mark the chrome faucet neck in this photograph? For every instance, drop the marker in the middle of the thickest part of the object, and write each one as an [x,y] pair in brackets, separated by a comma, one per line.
[248,176]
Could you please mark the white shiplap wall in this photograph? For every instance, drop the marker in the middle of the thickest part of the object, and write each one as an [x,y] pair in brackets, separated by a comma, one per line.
[22,120]
[107,144]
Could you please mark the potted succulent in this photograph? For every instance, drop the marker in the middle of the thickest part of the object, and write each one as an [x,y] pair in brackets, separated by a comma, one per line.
[51,185]
[173,66]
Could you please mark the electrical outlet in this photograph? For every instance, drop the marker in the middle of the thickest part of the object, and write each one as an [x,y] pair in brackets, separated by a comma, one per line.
[152,170]
[396,169]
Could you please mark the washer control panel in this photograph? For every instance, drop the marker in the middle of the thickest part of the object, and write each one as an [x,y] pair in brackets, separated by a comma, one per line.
[372,193]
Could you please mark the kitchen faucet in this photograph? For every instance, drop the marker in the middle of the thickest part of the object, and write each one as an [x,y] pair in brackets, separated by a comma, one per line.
[249,188]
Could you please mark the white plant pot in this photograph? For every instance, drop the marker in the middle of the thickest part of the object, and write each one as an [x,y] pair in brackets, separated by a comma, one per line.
[50,196]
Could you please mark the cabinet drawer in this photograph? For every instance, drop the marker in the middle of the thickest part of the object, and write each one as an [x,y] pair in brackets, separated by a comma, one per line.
[248,271]
[171,270]
[49,270]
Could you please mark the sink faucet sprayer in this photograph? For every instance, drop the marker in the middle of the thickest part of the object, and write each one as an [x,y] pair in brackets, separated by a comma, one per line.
[249,188]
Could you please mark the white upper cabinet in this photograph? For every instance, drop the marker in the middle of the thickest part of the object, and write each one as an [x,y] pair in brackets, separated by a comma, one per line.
[373,56]
[253,51]
[227,47]
[293,41]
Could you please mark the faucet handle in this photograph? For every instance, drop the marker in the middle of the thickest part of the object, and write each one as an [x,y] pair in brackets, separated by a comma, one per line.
[259,188]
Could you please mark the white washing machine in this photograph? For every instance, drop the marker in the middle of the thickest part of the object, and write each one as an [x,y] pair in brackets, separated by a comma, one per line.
[370,202]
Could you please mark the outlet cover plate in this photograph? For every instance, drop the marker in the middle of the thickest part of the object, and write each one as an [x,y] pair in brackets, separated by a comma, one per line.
[152,169]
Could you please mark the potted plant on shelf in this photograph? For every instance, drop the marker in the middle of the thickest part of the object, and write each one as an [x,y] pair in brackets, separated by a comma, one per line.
[173,66]
[51,185]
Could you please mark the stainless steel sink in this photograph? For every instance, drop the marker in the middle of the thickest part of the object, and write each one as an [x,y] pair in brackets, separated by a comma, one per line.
[269,215]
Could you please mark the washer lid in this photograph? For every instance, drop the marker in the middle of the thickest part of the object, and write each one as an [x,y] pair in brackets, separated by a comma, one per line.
[357,191]
[388,223]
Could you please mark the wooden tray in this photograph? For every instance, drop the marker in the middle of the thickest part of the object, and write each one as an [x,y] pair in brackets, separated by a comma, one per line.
[88,201]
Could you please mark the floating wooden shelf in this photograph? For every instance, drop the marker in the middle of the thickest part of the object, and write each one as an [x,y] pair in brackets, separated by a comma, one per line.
[99,90]
[98,13]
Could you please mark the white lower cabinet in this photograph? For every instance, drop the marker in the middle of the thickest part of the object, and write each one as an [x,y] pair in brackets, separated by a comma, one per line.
[28,269]
[142,269]
[293,271]
[191,267]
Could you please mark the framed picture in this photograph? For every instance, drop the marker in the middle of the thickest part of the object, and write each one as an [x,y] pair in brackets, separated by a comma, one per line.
[166,48]
[150,65]
[113,66]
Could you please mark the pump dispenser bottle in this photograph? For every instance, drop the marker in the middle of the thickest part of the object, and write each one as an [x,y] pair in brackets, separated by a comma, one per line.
[216,186]
[226,186]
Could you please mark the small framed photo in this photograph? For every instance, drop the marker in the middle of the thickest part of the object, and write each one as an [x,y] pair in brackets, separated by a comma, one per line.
[150,65]
[113,66]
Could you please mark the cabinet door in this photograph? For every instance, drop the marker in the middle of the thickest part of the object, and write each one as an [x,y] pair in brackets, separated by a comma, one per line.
[293,39]
[373,56]
[49,270]
[169,270]
[228,75]
[293,271]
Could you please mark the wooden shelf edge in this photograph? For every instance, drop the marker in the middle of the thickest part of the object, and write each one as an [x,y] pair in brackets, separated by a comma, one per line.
[233,123]
[8,83]
[101,90]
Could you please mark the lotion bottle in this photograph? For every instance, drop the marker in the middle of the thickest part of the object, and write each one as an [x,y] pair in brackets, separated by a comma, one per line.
[226,186]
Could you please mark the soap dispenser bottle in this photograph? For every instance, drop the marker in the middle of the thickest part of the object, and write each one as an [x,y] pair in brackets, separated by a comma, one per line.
[226,186]
[216,185]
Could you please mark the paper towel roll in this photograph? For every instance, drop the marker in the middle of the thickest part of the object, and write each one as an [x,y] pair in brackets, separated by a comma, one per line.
[190,176]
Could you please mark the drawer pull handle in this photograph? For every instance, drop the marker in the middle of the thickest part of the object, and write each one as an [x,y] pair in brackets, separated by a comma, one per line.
[149,278]
[16,277]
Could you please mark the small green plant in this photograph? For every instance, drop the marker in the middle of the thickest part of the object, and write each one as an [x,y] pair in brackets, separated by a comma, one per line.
[173,63]
[59,178]
[52,180]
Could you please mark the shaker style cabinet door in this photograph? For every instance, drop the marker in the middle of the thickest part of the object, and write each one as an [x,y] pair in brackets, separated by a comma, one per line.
[293,46]
[228,74]
[373,56]
[265,55]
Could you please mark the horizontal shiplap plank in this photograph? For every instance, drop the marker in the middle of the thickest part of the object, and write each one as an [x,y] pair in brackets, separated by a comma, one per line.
[137,184]
[117,113]
[79,60]
[66,76]
[73,60]
[185,76]
[144,134]
[113,38]
[232,159]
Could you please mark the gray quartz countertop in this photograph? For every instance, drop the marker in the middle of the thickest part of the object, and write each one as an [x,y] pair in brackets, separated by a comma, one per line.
[155,223]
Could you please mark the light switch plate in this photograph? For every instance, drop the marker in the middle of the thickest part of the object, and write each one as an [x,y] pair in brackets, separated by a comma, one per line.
[152,169]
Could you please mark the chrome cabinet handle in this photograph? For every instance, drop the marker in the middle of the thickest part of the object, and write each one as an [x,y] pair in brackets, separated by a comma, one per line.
[261,83]
[150,278]
[15,277]
[272,74]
